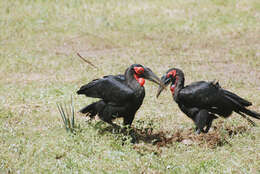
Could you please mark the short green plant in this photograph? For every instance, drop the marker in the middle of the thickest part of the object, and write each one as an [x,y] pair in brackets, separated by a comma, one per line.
[67,114]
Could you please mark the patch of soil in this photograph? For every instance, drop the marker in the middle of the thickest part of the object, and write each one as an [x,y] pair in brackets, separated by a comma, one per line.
[147,140]
[212,139]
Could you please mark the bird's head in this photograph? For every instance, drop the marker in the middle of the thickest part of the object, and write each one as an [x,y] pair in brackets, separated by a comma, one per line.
[171,76]
[141,73]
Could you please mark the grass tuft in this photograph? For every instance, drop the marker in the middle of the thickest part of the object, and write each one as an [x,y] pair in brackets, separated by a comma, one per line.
[67,114]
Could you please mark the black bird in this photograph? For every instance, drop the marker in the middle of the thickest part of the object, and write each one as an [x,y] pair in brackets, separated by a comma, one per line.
[202,101]
[121,95]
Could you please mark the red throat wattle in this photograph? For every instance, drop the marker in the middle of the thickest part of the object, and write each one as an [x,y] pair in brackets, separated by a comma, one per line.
[141,81]
[172,88]
[138,71]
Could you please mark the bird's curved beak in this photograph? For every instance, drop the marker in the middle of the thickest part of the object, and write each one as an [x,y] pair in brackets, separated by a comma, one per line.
[166,81]
[149,75]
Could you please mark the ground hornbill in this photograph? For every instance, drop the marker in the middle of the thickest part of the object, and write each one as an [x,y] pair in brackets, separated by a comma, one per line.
[202,101]
[121,95]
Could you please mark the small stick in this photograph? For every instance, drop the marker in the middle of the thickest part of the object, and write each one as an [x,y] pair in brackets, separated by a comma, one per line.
[87,61]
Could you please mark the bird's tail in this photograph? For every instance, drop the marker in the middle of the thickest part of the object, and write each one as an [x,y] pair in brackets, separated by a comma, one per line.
[90,110]
[93,109]
[238,99]
[250,113]
[241,107]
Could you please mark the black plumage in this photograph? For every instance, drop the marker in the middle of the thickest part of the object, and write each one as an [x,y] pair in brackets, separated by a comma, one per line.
[203,101]
[121,95]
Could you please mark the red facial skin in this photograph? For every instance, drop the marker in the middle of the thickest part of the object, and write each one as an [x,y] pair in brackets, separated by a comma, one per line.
[139,71]
[172,73]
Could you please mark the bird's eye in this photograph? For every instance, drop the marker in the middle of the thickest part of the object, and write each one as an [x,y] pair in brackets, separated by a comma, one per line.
[171,73]
[139,70]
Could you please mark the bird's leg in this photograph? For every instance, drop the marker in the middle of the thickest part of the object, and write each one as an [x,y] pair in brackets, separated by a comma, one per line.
[204,119]
[208,127]
[130,131]
[200,123]
[210,122]
[110,112]
[128,120]
[108,119]
[132,134]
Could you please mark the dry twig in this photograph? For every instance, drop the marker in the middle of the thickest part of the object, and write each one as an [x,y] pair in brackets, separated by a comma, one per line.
[87,61]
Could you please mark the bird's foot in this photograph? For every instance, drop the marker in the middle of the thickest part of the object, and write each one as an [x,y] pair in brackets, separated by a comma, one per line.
[129,132]
[197,131]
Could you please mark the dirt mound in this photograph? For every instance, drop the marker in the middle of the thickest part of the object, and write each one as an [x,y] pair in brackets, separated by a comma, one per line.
[217,137]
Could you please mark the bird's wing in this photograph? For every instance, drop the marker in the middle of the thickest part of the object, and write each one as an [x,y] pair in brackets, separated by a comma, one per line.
[210,96]
[235,97]
[109,88]
[201,94]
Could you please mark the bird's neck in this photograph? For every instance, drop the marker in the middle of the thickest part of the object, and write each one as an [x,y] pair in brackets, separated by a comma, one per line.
[132,80]
[177,86]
